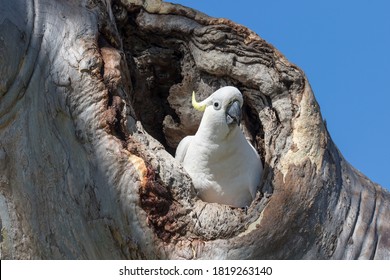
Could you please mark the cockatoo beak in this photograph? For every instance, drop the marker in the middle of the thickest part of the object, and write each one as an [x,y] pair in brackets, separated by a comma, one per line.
[233,113]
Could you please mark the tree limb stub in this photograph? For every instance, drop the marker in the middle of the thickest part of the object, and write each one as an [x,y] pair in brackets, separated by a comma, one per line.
[93,103]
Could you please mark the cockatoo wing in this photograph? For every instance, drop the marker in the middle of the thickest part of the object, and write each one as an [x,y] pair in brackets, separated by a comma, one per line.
[182,148]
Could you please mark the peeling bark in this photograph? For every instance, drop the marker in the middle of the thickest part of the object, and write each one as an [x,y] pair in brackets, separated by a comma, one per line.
[94,98]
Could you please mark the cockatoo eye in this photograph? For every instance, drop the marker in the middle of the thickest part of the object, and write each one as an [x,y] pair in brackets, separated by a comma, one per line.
[217,105]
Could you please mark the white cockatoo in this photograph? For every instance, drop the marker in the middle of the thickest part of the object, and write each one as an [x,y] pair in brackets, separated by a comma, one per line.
[224,167]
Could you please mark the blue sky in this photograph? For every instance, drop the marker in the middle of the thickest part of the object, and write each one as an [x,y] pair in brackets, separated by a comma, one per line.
[344,49]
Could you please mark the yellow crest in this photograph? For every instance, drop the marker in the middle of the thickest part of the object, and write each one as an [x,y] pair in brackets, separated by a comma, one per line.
[197,105]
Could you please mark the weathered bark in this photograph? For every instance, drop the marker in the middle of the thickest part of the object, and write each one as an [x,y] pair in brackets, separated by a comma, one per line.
[94,98]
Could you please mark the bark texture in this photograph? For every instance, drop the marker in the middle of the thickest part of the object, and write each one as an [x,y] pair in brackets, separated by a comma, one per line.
[94,98]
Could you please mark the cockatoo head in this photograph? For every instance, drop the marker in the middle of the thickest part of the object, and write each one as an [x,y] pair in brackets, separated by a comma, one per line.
[222,110]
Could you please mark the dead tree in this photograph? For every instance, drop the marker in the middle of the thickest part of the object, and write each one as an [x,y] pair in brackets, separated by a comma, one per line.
[94,98]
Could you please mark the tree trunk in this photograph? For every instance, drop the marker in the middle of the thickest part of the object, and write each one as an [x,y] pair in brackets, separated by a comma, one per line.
[94,98]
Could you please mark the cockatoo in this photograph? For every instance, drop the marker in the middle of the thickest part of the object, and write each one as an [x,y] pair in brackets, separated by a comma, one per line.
[224,167]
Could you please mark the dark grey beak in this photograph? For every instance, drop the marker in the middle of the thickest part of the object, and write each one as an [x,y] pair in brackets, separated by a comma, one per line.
[233,113]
